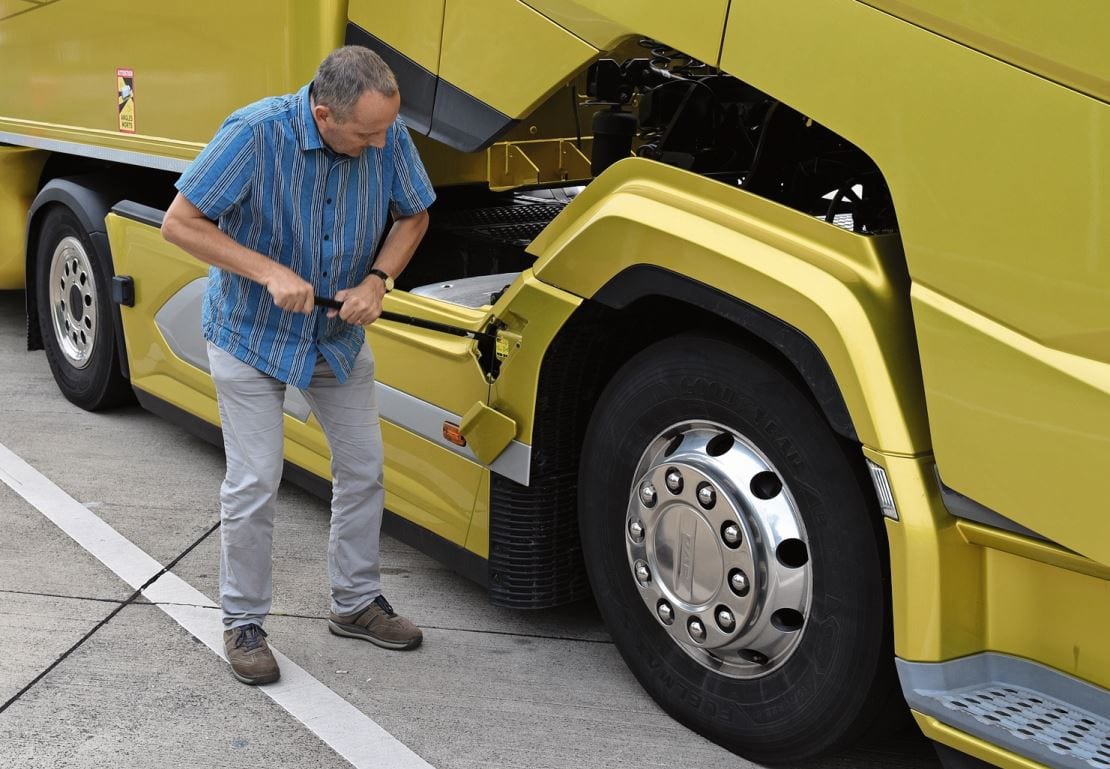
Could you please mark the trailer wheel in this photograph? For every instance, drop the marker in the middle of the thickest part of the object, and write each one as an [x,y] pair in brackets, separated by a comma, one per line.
[74,314]
[734,555]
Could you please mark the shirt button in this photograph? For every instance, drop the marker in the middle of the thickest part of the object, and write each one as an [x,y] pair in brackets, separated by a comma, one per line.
[325,274]
[329,201]
[327,237]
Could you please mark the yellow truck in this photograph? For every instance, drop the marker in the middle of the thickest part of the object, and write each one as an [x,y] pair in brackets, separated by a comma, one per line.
[782,325]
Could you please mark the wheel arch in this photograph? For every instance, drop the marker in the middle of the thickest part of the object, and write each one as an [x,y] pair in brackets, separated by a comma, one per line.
[654,251]
[646,282]
[90,199]
[833,303]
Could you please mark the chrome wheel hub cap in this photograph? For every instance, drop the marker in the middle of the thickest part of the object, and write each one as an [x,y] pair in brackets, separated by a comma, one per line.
[73,301]
[718,550]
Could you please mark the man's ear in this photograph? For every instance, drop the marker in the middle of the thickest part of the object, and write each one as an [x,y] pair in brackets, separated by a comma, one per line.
[321,112]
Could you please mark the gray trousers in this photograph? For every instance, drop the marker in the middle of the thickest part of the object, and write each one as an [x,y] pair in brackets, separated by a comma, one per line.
[251,410]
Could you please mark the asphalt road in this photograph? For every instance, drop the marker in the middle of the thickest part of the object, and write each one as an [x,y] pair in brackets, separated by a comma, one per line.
[90,677]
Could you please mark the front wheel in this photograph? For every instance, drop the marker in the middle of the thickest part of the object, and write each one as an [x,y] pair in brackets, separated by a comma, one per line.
[75,314]
[733,553]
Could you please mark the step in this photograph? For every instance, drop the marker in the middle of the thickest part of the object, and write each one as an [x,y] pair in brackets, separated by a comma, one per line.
[1027,708]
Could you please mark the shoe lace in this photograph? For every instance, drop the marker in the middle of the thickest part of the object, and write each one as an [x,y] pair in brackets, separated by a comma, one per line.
[384,606]
[249,637]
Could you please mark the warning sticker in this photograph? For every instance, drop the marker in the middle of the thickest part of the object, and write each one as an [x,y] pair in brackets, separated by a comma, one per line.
[125,93]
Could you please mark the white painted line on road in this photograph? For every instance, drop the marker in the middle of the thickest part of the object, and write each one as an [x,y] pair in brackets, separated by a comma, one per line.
[347,730]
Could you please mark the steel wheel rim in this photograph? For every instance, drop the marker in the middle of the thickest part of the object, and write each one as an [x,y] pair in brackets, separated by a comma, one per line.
[73,305]
[717,549]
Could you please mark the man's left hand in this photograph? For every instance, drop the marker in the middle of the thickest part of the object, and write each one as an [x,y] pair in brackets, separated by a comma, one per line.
[362,305]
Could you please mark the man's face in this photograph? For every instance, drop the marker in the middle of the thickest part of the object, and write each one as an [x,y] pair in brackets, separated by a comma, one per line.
[363,127]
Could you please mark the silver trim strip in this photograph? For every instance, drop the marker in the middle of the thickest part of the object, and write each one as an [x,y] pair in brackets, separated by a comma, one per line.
[129,157]
[179,322]
[1003,699]
[426,420]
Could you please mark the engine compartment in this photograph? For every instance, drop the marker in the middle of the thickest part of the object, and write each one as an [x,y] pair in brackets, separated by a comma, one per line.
[668,107]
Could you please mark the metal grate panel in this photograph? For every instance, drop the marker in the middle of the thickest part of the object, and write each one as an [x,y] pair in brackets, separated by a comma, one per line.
[515,225]
[1031,716]
[498,215]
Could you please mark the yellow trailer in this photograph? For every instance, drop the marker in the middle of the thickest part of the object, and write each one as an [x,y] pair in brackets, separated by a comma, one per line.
[780,324]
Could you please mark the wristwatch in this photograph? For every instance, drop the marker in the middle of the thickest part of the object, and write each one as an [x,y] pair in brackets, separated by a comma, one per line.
[388,281]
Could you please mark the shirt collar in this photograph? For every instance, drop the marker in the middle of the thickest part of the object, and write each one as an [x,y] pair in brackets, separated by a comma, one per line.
[308,135]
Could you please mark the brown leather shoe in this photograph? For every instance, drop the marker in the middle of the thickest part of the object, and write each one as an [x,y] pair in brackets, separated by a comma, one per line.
[251,660]
[378,624]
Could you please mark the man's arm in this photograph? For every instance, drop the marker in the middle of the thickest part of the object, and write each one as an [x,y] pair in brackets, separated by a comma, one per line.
[187,228]
[363,303]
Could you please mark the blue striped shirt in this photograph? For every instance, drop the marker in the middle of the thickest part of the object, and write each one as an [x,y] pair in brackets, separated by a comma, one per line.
[270,183]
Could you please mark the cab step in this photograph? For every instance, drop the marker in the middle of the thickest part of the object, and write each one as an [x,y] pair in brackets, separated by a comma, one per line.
[1027,708]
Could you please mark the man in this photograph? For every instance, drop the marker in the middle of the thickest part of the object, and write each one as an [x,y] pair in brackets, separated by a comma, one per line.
[288,201]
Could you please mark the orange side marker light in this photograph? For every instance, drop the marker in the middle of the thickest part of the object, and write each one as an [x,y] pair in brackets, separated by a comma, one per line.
[452,435]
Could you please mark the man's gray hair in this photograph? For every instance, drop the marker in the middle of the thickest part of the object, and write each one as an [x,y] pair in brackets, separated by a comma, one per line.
[346,74]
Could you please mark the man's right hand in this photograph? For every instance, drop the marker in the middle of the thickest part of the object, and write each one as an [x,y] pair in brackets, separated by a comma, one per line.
[289,290]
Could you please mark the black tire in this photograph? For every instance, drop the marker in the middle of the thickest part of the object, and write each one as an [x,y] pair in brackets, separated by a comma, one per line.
[95,383]
[839,684]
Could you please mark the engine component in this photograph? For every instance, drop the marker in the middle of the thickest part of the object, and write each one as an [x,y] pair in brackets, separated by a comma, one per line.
[688,114]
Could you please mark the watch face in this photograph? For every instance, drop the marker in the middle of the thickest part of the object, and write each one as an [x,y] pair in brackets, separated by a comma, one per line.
[386,279]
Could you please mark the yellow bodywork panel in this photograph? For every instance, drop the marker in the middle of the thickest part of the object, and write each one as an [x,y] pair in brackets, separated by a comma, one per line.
[981,377]
[936,576]
[1044,612]
[59,78]
[605,23]
[487,431]
[1011,283]
[425,483]
[973,746]
[1064,40]
[477,539]
[487,42]
[430,365]
[960,588]
[845,292]
[19,179]
[160,271]
[532,312]
[413,27]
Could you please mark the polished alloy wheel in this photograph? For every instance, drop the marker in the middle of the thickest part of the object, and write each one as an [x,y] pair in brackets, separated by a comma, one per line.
[73,306]
[718,549]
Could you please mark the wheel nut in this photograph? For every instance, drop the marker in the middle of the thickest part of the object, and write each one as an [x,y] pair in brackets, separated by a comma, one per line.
[665,612]
[697,630]
[647,495]
[643,573]
[674,480]
[730,533]
[707,496]
[738,581]
[725,620]
[636,531]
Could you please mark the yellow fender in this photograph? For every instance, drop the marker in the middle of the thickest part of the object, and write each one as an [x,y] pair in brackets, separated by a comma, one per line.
[847,294]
